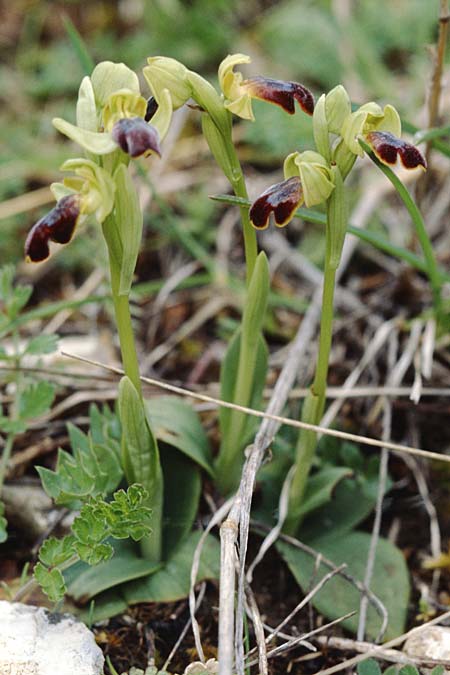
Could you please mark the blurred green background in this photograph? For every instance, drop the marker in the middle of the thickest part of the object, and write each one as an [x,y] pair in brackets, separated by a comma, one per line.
[378,50]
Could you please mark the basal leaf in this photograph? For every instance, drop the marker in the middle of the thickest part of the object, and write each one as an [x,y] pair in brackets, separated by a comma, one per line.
[84,582]
[182,487]
[390,582]
[172,581]
[176,423]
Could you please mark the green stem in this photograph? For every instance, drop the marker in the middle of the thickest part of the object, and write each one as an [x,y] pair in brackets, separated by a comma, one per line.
[432,271]
[314,404]
[250,241]
[122,309]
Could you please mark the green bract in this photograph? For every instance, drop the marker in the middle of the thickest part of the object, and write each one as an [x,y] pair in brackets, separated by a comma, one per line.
[314,173]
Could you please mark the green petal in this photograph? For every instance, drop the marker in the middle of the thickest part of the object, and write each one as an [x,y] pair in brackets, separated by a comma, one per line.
[97,143]
[315,182]
[352,128]
[162,117]
[109,77]
[98,190]
[86,110]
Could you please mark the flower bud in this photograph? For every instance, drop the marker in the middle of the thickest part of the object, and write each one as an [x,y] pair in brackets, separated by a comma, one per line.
[166,73]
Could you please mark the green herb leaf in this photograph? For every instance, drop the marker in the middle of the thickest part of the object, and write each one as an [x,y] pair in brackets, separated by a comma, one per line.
[54,552]
[51,581]
[368,667]
[35,400]
[42,344]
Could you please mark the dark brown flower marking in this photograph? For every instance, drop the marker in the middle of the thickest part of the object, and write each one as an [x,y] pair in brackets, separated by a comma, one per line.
[281,93]
[281,199]
[152,107]
[388,147]
[135,137]
[58,225]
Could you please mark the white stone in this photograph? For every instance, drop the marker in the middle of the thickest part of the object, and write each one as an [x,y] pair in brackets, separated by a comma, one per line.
[33,641]
[429,643]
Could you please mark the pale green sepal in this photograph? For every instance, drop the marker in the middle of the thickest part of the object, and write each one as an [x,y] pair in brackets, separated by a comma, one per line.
[351,129]
[163,116]
[242,107]
[337,108]
[60,190]
[320,128]
[337,219]
[217,146]
[128,216]
[166,73]
[389,122]
[108,77]
[314,174]
[140,457]
[97,143]
[95,185]
[86,110]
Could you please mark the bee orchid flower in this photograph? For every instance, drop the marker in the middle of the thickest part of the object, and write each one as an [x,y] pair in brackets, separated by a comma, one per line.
[239,92]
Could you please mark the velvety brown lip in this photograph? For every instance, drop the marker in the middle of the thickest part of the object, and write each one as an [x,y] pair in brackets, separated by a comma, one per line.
[135,137]
[281,199]
[388,147]
[281,93]
[58,225]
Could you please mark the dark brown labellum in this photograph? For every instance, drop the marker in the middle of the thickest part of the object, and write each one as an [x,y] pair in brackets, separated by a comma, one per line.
[152,107]
[388,147]
[281,93]
[58,225]
[135,137]
[281,199]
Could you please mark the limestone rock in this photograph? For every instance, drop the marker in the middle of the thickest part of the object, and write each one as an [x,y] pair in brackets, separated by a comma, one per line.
[33,641]
[430,643]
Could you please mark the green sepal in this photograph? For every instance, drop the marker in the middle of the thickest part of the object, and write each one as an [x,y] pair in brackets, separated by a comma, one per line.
[92,141]
[86,110]
[140,458]
[129,222]
[320,129]
[337,108]
[108,77]
[337,219]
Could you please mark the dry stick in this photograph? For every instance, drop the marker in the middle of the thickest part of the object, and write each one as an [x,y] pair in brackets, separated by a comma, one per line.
[268,429]
[436,78]
[259,632]
[270,419]
[277,631]
[182,635]
[392,655]
[378,649]
[296,641]
[218,516]
[382,481]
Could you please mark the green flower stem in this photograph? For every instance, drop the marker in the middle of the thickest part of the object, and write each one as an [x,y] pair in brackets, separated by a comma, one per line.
[432,270]
[122,309]
[250,241]
[314,404]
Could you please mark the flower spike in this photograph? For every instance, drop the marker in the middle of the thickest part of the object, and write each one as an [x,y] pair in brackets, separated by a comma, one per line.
[388,148]
[136,137]
[58,225]
[281,199]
